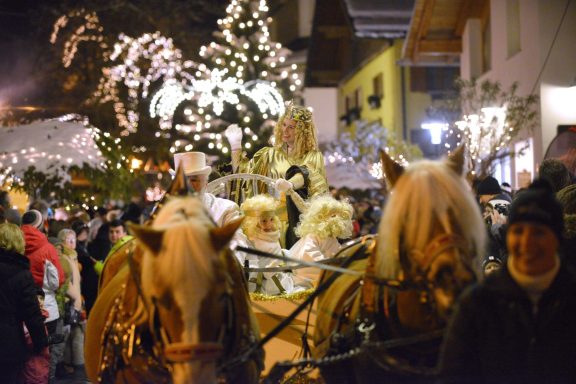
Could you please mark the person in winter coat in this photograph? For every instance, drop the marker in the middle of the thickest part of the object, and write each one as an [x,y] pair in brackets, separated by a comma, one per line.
[518,325]
[18,306]
[88,275]
[495,206]
[71,306]
[47,273]
[567,198]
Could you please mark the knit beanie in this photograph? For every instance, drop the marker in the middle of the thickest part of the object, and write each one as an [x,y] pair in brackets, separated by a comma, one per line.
[567,197]
[489,186]
[33,218]
[538,204]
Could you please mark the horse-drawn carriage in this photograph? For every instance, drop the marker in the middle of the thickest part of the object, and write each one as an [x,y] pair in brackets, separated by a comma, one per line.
[381,308]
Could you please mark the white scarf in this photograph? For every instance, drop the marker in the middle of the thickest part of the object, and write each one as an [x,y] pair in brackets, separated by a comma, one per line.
[271,237]
[534,286]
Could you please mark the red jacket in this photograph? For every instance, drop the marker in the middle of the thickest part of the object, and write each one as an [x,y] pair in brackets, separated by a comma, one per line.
[38,250]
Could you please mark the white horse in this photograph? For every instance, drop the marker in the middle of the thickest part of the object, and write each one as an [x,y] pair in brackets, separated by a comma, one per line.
[178,309]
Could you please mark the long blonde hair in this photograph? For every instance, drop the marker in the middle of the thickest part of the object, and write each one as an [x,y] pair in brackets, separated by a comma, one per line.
[427,195]
[326,217]
[305,139]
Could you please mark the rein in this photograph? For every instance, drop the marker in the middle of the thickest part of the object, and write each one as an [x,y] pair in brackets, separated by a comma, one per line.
[276,330]
[279,369]
[370,286]
[323,265]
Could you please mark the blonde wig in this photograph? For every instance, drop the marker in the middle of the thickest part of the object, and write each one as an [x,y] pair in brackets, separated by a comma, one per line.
[256,207]
[326,217]
[305,134]
[428,199]
[11,238]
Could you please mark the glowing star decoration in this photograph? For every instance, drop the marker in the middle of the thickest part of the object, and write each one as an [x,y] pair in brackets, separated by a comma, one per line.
[216,90]
[242,69]
[265,96]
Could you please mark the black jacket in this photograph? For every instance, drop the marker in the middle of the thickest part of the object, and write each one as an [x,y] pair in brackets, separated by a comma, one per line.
[18,306]
[89,277]
[495,338]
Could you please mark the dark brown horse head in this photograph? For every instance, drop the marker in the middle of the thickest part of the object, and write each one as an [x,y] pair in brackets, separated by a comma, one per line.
[430,231]
[179,269]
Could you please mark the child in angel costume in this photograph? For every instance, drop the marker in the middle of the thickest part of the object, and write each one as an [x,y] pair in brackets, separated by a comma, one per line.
[261,226]
[324,222]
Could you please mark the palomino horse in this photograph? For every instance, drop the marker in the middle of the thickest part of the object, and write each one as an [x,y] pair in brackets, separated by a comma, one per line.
[177,310]
[386,324]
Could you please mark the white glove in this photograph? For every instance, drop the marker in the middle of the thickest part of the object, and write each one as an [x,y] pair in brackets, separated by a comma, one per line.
[282,185]
[234,135]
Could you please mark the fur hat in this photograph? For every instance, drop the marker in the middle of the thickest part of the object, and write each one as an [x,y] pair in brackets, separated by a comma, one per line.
[33,218]
[194,163]
[567,197]
[555,172]
[538,204]
[489,186]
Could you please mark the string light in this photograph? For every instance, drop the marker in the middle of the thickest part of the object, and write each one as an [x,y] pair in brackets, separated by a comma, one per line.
[135,64]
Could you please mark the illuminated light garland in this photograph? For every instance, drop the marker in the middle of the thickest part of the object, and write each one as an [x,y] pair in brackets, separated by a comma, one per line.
[137,63]
[484,131]
[90,30]
[362,149]
[166,100]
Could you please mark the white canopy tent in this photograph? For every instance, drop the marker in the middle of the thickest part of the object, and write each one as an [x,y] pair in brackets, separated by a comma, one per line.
[51,146]
[350,175]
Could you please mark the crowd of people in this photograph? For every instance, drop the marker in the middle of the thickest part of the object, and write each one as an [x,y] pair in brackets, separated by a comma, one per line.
[53,268]
[49,269]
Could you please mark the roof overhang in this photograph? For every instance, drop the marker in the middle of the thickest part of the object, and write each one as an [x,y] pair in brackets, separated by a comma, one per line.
[435,34]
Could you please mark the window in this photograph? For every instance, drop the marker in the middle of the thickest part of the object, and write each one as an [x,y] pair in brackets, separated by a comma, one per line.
[513,26]
[358,98]
[378,85]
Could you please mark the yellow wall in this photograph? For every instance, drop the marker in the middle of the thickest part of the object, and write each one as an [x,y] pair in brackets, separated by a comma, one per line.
[390,111]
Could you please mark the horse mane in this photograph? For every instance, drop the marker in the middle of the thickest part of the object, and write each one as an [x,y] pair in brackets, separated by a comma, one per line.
[184,264]
[427,194]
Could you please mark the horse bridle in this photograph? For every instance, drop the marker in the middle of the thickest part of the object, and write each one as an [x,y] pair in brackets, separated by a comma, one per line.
[418,280]
[167,351]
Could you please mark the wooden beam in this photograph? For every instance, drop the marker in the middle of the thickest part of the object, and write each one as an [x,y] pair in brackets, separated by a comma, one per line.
[453,46]
[470,9]
[408,50]
[463,16]
[425,20]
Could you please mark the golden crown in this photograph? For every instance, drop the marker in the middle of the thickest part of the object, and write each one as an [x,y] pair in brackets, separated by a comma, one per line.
[298,113]
[262,213]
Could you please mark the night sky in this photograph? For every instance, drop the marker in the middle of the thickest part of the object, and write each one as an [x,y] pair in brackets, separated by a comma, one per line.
[25,49]
[21,41]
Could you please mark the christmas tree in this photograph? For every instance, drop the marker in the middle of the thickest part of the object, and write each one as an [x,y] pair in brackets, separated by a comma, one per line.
[243,78]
